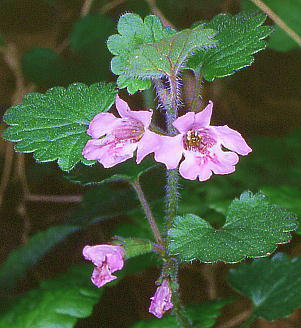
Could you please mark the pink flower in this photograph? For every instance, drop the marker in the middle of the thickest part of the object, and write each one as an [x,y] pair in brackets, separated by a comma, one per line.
[107,259]
[161,301]
[201,144]
[116,139]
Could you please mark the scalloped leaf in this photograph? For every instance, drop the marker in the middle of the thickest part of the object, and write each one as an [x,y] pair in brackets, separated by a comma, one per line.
[58,302]
[253,228]
[273,285]
[289,12]
[133,85]
[239,37]
[166,57]
[53,125]
[133,32]
[203,316]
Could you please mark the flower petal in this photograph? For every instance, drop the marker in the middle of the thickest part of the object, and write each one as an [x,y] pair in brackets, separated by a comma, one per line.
[101,276]
[232,140]
[169,151]
[124,111]
[107,152]
[102,124]
[147,144]
[192,167]
[161,301]
[223,162]
[184,123]
[202,119]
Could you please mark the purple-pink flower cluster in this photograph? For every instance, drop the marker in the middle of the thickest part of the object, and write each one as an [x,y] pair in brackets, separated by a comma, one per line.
[110,258]
[115,139]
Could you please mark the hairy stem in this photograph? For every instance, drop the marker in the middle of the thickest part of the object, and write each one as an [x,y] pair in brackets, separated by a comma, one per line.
[172,175]
[148,213]
[196,91]
[179,310]
[172,196]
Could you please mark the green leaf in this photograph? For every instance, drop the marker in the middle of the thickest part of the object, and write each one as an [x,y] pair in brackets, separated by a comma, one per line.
[102,202]
[133,85]
[134,247]
[238,37]
[166,57]
[2,41]
[253,228]
[53,125]
[24,257]
[203,316]
[97,174]
[89,30]
[133,32]
[289,12]
[273,285]
[88,41]
[287,197]
[58,302]
[98,204]
[44,67]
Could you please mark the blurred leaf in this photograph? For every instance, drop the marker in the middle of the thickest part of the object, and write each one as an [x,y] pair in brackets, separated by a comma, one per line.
[53,125]
[89,30]
[104,201]
[238,37]
[88,63]
[97,174]
[140,263]
[203,316]
[165,57]
[88,40]
[289,12]
[134,32]
[97,204]
[44,67]
[253,228]
[58,302]
[2,41]
[24,257]
[273,285]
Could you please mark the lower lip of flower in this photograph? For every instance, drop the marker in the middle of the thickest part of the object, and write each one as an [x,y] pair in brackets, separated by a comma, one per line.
[198,141]
[129,130]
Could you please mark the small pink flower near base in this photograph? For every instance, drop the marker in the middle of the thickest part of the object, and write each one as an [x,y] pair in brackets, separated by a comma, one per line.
[161,301]
[107,259]
[116,139]
[201,144]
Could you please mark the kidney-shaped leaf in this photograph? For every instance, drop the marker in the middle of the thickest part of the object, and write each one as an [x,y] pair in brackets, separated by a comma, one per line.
[253,228]
[53,125]
[273,285]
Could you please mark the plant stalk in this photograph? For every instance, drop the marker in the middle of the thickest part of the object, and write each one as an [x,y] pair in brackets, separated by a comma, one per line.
[249,321]
[148,213]
[172,195]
